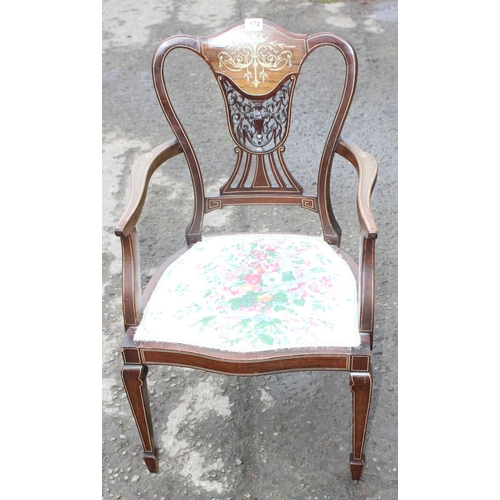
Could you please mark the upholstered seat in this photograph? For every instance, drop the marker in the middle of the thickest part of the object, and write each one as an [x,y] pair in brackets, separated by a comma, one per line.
[255,292]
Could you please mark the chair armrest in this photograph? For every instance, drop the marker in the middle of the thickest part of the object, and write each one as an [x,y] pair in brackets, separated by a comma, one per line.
[366,167]
[142,171]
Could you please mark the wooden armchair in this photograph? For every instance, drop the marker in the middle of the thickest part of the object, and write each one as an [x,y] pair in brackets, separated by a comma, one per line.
[256,303]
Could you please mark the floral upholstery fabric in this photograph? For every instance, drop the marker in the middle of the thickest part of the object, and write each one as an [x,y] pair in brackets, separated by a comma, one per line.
[254,293]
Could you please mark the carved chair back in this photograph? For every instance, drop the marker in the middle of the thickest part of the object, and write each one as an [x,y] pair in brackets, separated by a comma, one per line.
[257,64]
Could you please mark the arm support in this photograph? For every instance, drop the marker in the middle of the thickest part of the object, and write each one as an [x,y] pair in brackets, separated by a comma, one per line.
[142,171]
[366,286]
[131,280]
[366,166]
[131,271]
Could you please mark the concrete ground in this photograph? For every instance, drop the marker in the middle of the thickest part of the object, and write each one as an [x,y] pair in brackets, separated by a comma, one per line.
[283,436]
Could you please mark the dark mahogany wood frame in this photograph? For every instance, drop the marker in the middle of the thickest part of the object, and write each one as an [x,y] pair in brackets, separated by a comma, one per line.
[138,355]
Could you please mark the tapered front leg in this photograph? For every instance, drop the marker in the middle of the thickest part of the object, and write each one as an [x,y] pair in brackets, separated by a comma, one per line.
[361,387]
[134,380]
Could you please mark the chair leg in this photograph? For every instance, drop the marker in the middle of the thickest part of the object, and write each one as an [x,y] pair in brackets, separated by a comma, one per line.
[134,380]
[361,387]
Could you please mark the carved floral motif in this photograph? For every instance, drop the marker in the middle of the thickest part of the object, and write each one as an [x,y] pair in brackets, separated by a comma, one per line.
[258,125]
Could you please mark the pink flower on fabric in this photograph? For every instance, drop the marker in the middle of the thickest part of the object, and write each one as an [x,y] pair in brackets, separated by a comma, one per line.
[259,255]
[326,280]
[272,267]
[252,279]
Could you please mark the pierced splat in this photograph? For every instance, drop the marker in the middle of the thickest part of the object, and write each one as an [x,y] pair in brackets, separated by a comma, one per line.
[258,125]
[261,174]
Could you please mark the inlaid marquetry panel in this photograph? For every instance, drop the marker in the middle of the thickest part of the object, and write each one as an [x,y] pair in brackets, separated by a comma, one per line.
[256,61]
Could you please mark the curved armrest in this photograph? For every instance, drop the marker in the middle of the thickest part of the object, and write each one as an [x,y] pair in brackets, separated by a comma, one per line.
[141,173]
[366,166]
[131,270]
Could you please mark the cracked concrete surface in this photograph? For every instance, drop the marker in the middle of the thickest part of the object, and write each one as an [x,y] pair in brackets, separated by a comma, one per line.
[283,436]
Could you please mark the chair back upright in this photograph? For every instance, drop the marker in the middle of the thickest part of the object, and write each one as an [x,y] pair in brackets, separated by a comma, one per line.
[257,64]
